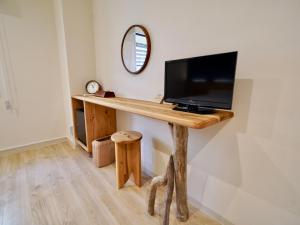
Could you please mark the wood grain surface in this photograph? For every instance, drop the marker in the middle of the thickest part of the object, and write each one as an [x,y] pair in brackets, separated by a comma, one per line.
[159,111]
[60,185]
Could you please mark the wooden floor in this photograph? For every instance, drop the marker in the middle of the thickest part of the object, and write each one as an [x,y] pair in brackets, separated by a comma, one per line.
[59,185]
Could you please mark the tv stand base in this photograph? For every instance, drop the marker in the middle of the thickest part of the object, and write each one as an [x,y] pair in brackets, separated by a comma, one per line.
[193,109]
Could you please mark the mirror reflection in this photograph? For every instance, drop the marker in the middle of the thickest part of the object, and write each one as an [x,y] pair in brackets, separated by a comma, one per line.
[135,49]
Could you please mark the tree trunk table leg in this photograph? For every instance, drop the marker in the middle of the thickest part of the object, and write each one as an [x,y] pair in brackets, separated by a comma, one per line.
[166,180]
[180,138]
[155,183]
[170,190]
[176,169]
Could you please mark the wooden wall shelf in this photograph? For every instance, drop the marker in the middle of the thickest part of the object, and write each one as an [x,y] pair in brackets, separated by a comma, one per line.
[159,111]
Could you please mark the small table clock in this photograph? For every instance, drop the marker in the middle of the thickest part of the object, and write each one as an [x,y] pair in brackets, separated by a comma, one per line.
[93,86]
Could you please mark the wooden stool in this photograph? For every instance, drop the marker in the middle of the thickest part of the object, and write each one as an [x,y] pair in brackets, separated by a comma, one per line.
[128,156]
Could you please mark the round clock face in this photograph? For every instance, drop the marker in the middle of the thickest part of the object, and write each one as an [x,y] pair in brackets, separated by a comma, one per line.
[92,87]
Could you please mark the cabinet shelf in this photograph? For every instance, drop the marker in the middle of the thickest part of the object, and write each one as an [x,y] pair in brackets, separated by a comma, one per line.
[100,121]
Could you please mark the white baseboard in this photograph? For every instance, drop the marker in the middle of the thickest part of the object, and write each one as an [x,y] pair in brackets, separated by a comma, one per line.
[208,211]
[71,142]
[34,144]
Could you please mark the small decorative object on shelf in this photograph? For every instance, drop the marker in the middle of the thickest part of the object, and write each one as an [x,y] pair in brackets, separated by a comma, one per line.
[105,94]
[93,86]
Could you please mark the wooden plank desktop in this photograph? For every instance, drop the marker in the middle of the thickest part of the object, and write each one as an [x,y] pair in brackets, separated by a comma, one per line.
[158,111]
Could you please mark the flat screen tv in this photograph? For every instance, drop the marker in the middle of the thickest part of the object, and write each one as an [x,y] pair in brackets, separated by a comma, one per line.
[201,84]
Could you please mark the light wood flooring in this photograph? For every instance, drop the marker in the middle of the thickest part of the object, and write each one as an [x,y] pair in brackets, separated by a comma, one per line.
[57,184]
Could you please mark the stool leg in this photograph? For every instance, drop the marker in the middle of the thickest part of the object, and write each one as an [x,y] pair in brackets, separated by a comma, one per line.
[121,165]
[134,161]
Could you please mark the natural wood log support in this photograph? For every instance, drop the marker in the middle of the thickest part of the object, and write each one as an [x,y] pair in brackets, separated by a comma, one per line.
[170,190]
[166,180]
[155,183]
[180,137]
[176,171]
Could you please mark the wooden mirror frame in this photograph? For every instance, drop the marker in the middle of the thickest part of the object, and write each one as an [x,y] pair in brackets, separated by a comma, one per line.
[148,49]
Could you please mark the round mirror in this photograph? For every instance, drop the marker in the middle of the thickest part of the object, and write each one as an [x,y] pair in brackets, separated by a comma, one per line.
[135,49]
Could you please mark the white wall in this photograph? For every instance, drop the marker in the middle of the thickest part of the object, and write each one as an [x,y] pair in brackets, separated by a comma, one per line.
[79,35]
[31,35]
[246,169]
[75,33]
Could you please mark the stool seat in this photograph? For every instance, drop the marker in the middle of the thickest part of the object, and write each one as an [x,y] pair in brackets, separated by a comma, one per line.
[128,156]
[126,137]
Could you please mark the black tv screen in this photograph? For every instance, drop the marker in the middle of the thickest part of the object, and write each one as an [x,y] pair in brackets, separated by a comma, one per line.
[205,81]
